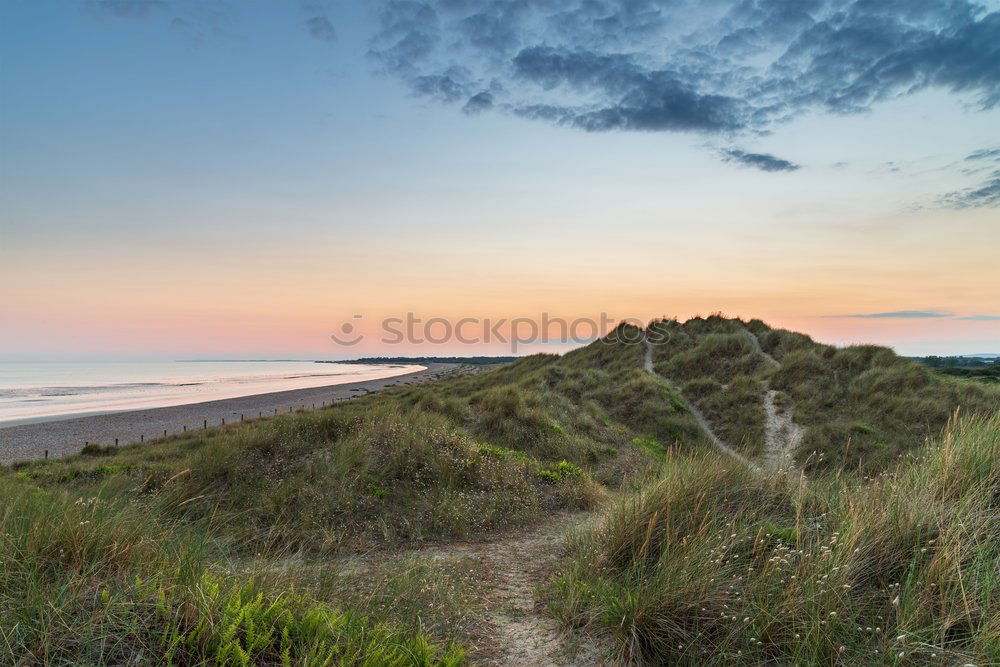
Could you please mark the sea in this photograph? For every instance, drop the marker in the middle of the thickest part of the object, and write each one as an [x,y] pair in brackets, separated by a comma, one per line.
[39,391]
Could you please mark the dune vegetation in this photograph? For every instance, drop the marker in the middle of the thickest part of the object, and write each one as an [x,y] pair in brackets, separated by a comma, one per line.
[714,564]
[860,407]
[308,538]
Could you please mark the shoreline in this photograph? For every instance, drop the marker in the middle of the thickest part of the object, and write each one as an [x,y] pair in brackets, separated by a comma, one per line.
[64,436]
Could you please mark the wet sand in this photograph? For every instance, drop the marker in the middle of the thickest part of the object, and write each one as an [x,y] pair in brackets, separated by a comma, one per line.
[63,437]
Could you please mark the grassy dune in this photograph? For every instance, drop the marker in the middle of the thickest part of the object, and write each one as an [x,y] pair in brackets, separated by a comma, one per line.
[168,550]
[712,564]
[288,540]
[862,406]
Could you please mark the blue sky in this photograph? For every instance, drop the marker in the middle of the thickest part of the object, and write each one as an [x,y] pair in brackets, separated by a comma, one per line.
[197,177]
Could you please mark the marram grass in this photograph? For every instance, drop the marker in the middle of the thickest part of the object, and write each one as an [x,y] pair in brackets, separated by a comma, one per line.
[713,564]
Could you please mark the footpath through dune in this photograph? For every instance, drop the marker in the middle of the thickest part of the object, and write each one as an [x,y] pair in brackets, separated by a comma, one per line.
[699,417]
[782,435]
[525,634]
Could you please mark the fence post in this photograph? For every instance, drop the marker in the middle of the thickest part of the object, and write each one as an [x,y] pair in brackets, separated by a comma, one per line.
[204,424]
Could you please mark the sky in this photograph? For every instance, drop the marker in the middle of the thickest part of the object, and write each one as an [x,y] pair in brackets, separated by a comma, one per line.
[209,179]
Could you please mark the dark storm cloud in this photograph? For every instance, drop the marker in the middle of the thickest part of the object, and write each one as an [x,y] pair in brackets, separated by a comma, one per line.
[762,161]
[321,28]
[728,67]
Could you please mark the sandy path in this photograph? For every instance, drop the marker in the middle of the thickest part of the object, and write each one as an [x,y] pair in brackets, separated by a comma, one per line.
[699,417]
[782,435]
[756,344]
[63,437]
[525,634]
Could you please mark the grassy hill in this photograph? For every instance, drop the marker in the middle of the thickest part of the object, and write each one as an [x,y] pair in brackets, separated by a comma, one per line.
[861,407]
[303,539]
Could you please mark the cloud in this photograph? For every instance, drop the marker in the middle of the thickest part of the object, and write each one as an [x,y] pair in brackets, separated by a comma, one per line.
[321,28]
[900,314]
[478,103]
[762,161]
[729,67]
[985,195]
[126,9]
[639,98]
[984,154]
[195,20]
[981,318]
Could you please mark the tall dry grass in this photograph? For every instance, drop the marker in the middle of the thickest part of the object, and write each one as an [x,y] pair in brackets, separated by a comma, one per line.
[713,564]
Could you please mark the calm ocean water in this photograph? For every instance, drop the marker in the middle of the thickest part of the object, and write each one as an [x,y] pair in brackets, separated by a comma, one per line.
[31,390]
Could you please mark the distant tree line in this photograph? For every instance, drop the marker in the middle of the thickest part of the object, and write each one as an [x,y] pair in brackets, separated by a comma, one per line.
[985,369]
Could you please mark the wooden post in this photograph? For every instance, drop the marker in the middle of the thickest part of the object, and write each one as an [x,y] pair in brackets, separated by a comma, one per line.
[185,428]
[241,417]
[46,455]
[142,437]
[164,433]
[116,442]
[204,424]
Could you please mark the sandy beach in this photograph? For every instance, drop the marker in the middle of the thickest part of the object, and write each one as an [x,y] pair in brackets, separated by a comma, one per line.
[63,437]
